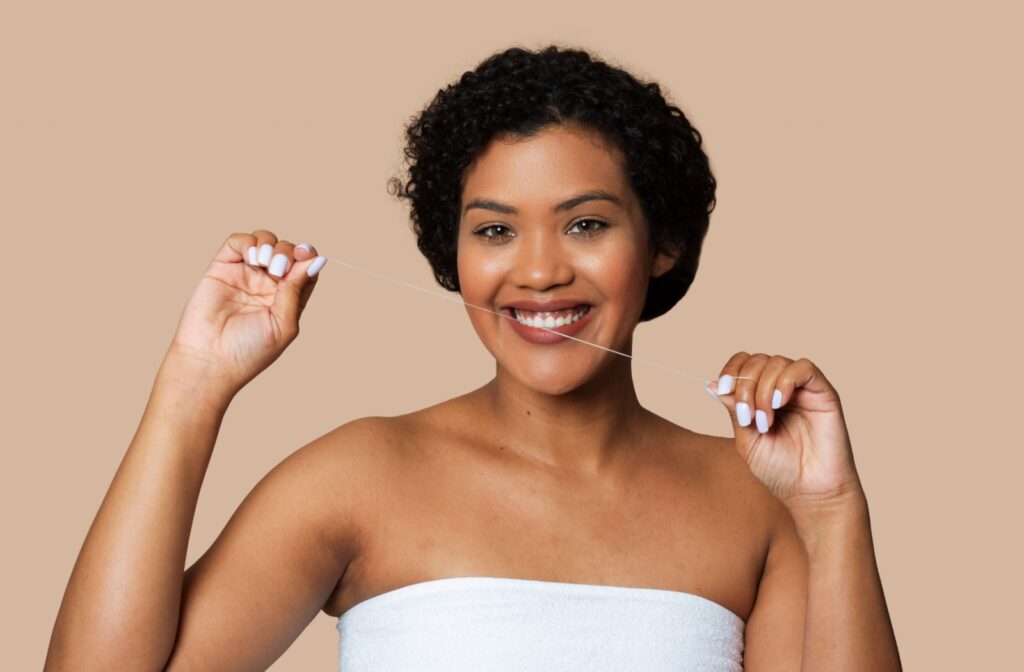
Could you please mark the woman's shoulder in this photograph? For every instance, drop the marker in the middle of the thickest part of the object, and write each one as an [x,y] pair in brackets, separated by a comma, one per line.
[724,477]
[372,447]
[368,441]
[345,468]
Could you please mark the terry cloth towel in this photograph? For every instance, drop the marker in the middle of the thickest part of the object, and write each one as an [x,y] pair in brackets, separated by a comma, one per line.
[494,624]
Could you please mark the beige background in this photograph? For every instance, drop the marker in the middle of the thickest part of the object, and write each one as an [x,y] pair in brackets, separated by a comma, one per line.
[869,160]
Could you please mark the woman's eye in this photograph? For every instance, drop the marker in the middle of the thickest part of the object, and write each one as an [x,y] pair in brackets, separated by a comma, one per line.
[499,232]
[594,225]
[494,231]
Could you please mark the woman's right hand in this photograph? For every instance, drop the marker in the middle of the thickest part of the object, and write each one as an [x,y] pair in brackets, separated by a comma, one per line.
[242,315]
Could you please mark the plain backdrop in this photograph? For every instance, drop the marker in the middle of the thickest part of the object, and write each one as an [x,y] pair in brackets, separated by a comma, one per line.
[868,157]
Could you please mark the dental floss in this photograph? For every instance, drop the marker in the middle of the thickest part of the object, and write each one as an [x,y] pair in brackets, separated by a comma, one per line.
[509,317]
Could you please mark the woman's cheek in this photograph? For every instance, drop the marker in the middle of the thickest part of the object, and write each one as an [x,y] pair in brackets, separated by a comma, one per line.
[480,266]
[612,271]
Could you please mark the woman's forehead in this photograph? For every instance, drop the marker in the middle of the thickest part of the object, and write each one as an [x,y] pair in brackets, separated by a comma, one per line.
[544,169]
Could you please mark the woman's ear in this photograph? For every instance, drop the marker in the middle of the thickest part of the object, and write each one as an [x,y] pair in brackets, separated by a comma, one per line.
[663,262]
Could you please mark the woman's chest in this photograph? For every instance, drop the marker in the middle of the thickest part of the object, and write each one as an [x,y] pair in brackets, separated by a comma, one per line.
[655,530]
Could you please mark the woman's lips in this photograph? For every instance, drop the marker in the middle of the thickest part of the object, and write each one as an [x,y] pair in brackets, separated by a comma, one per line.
[545,336]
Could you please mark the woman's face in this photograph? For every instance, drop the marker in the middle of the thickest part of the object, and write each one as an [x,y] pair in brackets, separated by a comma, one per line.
[551,230]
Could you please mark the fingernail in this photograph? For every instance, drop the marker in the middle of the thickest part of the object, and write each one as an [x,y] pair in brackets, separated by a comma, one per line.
[252,256]
[266,250]
[707,386]
[725,384]
[278,265]
[762,421]
[315,267]
[743,413]
[777,399]
[305,246]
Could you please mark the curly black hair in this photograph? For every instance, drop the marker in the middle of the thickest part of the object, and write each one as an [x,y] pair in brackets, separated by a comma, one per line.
[519,92]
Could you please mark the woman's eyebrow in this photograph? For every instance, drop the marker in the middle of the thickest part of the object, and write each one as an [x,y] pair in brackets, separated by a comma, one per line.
[568,204]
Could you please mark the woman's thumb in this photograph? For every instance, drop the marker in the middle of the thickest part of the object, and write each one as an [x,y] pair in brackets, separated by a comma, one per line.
[294,290]
[721,390]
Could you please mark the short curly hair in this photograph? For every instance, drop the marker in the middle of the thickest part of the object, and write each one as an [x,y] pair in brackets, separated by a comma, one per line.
[518,92]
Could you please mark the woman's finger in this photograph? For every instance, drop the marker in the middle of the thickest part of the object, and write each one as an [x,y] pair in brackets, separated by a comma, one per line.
[746,385]
[305,251]
[767,397]
[281,259]
[726,381]
[294,291]
[724,387]
[264,252]
[234,248]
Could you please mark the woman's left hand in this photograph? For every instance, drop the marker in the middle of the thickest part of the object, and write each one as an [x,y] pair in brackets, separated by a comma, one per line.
[803,455]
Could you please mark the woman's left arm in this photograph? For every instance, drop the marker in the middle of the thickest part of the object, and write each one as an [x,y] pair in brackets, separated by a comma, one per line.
[791,432]
[847,623]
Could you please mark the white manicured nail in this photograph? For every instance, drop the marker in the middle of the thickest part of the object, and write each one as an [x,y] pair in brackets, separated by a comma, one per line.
[762,421]
[266,250]
[315,267]
[278,265]
[743,414]
[777,399]
[725,384]
[306,246]
[252,256]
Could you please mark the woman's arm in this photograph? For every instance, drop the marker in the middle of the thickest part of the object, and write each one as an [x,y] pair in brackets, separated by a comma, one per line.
[847,624]
[275,565]
[120,609]
[819,604]
[123,603]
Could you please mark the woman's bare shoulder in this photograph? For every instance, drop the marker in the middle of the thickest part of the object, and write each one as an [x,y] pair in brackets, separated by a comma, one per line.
[370,449]
[364,444]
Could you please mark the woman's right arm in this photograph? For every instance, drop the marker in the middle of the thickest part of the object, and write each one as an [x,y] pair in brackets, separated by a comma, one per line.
[123,606]
[120,609]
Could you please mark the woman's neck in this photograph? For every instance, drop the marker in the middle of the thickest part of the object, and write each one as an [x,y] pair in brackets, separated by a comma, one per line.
[582,432]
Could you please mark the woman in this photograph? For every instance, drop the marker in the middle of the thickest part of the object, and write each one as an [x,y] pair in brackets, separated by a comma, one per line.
[545,520]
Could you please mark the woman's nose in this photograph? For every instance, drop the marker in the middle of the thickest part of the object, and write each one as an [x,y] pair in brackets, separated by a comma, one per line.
[540,263]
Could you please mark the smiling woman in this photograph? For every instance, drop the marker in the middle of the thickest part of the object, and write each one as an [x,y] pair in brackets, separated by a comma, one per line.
[544,520]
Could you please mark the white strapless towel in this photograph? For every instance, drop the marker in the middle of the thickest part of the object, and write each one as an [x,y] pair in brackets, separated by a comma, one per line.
[493,624]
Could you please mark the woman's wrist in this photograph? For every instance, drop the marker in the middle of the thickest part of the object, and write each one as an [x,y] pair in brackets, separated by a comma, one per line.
[820,520]
[192,383]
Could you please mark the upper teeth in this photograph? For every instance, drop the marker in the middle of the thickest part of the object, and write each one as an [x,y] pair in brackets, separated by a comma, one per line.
[550,320]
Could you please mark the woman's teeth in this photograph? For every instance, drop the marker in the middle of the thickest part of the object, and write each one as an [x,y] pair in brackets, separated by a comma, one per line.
[549,320]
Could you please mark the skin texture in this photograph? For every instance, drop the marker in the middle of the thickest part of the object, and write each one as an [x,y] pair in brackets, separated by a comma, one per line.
[552,470]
